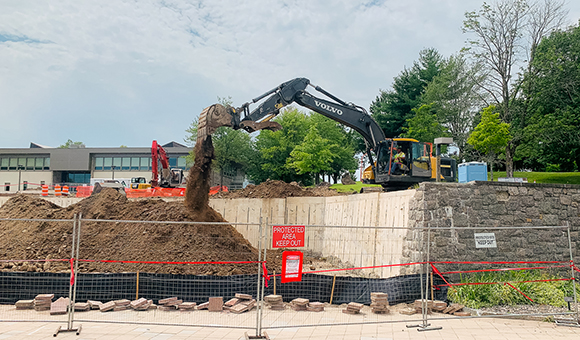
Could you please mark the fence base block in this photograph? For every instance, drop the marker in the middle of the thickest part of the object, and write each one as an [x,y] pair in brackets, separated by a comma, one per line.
[60,330]
[567,323]
[265,336]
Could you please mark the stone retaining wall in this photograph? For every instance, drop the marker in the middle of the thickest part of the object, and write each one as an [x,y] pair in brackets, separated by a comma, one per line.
[492,204]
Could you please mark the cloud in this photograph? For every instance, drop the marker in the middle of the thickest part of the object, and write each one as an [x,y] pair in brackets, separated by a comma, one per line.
[154,65]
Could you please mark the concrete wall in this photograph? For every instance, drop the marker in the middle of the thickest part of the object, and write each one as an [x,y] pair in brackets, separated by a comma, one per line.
[359,247]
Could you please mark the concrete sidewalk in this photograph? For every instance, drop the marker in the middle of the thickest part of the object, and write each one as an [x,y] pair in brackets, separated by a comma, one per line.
[455,328]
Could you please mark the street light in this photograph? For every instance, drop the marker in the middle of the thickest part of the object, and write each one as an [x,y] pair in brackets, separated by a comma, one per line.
[20,168]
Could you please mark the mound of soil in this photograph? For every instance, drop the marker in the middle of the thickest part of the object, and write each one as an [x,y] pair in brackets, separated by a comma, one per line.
[36,240]
[278,189]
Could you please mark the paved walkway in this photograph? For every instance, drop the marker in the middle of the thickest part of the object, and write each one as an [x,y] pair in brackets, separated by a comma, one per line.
[484,329]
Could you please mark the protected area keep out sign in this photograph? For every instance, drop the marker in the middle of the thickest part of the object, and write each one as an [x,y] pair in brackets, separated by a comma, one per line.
[286,236]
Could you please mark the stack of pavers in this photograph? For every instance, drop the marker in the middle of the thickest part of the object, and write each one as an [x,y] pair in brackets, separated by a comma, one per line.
[122,304]
[216,304]
[24,304]
[245,303]
[42,302]
[456,309]
[439,306]
[315,307]
[82,306]
[299,304]
[379,303]
[187,306]
[94,304]
[107,306]
[169,304]
[418,304]
[275,302]
[142,304]
[353,308]
[60,306]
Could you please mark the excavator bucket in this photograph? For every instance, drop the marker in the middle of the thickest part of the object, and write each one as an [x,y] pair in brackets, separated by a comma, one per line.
[211,118]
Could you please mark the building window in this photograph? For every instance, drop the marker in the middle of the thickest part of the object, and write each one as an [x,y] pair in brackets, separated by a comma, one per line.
[47,163]
[38,163]
[24,185]
[117,163]
[4,163]
[145,163]
[181,163]
[126,163]
[99,163]
[108,162]
[13,164]
[7,186]
[30,164]
[172,162]
[42,183]
[135,163]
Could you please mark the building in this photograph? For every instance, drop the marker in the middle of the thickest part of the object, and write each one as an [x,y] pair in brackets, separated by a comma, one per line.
[78,165]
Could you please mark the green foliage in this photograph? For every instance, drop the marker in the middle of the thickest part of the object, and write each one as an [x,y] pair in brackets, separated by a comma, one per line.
[491,135]
[351,187]
[455,98]
[69,143]
[424,126]
[391,109]
[553,86]
[307,145]
[552,167]
[487,295]
[312,155]
[547,177]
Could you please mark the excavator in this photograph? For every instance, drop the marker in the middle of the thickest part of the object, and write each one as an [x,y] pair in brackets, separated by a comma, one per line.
[417,166]
[167,177]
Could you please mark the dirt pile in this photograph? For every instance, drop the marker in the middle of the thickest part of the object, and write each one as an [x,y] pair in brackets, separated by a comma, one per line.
[278,189]
[120,241]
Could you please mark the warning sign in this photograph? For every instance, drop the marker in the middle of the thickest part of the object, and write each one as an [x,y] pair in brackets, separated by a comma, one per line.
[288,236]
[291,266]
[485,240]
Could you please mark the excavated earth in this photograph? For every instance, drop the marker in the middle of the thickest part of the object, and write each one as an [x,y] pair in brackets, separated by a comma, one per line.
[278,189]
[46,243]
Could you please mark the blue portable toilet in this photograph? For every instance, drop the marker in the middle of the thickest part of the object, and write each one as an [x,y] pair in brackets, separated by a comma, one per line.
[472,171]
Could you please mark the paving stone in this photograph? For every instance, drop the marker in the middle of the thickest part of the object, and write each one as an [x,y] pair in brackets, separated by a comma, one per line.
[108,306]
[164,301]
[94,304]
[216,304]
[231,302]
[82,306]
[138,303]
[204,305]
[24,304]
[60,306]
[243,296]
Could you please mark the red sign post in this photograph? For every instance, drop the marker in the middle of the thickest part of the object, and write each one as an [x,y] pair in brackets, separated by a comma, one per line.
[288,236]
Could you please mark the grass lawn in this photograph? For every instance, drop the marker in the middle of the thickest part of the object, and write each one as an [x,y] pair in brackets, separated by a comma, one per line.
[352,187]
[543,177]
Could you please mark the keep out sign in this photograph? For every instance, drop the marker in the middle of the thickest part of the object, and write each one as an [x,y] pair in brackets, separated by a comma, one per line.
[288,236]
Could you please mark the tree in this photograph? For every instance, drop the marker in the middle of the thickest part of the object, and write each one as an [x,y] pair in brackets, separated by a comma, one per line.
[341,144]
[456,98]
[424,126]
[553,98]
[490,136]
[501,39]
[313,155]
[391,109]
[274,148]
[70,144]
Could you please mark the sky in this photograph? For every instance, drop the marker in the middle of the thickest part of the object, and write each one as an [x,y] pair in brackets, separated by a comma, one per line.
[110,73]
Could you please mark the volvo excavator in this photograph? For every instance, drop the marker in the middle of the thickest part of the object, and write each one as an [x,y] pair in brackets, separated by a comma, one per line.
[417,166]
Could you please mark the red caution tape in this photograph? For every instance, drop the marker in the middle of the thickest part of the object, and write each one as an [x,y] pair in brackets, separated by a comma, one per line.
[265,274]
[527,297]
[171,262]
[72,272]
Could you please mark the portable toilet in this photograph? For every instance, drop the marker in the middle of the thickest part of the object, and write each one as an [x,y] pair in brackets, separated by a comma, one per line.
[472,171]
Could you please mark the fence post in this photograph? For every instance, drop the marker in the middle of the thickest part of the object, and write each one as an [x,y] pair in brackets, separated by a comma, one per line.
[74,254]
[573,275]
[258,320]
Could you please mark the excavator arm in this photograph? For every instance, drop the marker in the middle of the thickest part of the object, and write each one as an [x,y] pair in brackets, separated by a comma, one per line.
[293,91]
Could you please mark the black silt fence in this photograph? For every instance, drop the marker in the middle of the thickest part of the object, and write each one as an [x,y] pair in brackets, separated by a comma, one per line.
[16,286]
